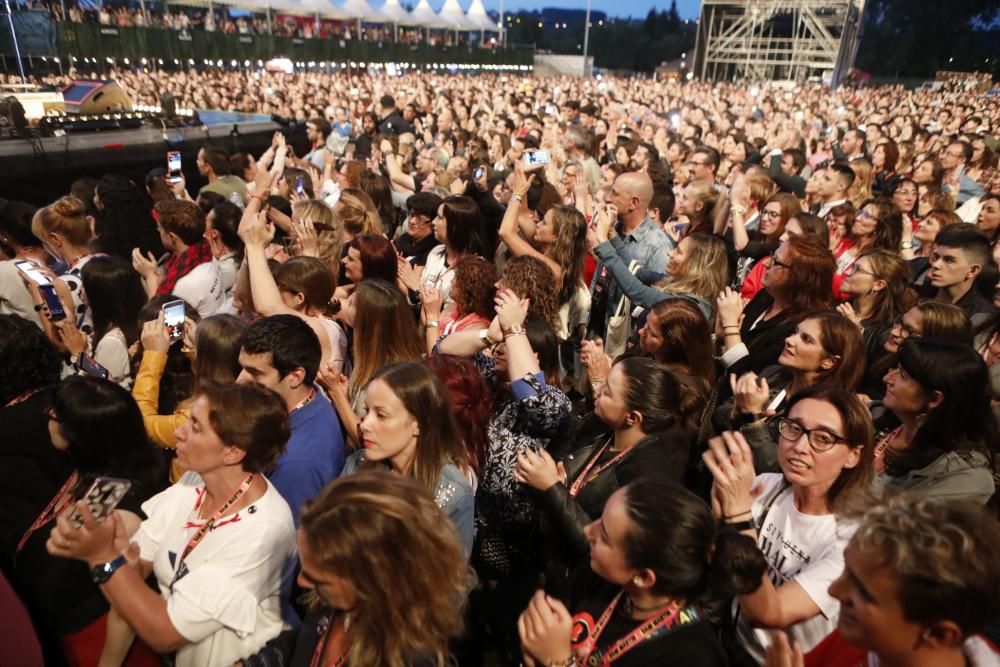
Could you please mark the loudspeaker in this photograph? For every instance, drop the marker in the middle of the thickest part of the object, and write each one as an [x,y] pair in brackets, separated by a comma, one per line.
[94,97]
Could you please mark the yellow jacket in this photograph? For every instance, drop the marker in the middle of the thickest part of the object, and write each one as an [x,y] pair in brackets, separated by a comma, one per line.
[146,392]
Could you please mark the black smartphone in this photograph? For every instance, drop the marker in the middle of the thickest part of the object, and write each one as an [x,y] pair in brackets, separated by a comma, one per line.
[91,367]
[173,319]
[56,310]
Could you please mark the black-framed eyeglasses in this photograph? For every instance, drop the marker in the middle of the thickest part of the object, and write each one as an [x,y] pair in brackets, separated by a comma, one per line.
[905,331]
[856,268]
[777,262]
[766,213]
[820,440]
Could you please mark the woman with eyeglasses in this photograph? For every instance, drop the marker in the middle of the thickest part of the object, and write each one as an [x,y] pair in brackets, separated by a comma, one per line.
[825,456]
[946,440]
[755,245]
[877,287]
[877,226]
[825,348]
[905,197]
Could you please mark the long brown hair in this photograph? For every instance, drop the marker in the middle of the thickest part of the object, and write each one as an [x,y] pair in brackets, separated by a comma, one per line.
[438,440]
[706,271]
[896,298]
[217,350]
[569,250]
[384,331]
[384,534]
[810,274]
[687,339]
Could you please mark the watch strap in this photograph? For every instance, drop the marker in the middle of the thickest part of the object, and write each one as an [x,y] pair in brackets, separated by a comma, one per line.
[101,573]
[740,526]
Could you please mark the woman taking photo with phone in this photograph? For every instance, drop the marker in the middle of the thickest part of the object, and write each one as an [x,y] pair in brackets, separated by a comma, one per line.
[217,541]
[69,612]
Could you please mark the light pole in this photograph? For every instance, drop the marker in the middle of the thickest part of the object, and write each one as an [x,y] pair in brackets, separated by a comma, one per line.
[586,39]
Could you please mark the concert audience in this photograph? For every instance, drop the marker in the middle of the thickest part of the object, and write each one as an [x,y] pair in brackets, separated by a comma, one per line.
[530,369]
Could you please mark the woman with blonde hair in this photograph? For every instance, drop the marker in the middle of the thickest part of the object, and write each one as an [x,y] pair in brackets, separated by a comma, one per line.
[329,234]
[697,269]
[66,231]
[357,213]
[697,202]
[387,578]
[861,190]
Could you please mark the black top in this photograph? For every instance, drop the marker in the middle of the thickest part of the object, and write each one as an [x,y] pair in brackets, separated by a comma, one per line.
[416,252]
[693,643]
[296,647]
[394,124]
[31,470]
[59,593]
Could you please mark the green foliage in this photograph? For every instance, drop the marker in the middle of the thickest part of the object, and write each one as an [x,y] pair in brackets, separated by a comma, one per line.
[915,38]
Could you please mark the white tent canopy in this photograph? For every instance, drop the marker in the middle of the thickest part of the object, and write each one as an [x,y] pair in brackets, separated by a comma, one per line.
[326,9]
[477,15]
[359,9]
[452,12]
[423,15]
[395,13]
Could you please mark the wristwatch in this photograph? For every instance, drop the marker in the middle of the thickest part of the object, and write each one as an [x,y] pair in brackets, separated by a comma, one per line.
[484,338]
[101,573]
[514,330]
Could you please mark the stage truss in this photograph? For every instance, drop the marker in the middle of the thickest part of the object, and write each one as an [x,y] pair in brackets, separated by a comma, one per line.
[777,40]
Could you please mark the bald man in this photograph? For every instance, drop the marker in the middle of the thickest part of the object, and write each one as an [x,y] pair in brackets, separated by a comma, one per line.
[639,238]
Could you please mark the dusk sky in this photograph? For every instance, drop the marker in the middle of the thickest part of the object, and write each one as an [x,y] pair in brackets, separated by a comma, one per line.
[688,9]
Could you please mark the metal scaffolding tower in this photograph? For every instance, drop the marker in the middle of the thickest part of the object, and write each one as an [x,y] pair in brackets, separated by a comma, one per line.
[777,39]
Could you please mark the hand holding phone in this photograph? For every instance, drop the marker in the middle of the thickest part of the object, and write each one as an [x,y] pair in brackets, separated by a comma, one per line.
[52,302]
[535,160]
[174,173]
[101,499]
[173,319]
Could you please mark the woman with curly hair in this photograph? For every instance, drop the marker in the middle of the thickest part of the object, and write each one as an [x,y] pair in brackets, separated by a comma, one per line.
[530,278]
[471,402]
[472,294]
[387,578]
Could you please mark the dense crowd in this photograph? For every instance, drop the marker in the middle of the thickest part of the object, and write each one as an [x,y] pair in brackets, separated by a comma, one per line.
[501,370]
[299,25]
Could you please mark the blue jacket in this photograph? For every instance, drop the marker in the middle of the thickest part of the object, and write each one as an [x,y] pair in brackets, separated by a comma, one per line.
[314,455]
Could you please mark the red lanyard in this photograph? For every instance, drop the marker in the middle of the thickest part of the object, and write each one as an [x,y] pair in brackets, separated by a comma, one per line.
[321,646]
[21,398]
[51,511]
[586,477]
[883,445]
[660,622]
[210,522]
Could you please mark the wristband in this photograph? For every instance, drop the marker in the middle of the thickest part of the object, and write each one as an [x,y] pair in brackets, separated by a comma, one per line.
[906,246]
[740,526]
[729,517]
[514,333]
[517,196]
[433,324]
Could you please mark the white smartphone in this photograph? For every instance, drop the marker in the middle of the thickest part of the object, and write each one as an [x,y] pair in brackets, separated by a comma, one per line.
[31,270]
[173,319]
[535,159]
[102,498]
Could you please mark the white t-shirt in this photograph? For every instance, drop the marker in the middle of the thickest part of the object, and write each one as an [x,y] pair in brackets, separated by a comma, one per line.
[202,288]
[439,274]
[804,548]
[15,299]
[112,353]
[227,600]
